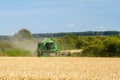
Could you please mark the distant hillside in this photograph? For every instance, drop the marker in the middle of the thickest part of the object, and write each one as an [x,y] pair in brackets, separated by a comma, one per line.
[87,33]
[4,37]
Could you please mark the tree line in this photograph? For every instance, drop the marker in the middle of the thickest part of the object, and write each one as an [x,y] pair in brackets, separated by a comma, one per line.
[93,46]
[87,33]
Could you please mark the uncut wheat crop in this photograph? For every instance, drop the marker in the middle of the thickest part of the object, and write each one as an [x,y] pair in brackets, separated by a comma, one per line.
[59,68]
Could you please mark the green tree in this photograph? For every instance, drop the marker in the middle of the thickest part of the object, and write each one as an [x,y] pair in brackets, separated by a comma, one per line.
[23,33]
[94,50]
[112,46]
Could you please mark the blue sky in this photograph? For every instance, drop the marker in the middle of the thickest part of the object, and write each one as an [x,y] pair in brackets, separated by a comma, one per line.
[51,16]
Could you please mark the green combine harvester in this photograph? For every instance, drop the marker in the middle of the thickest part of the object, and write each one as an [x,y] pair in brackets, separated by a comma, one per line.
[47,46]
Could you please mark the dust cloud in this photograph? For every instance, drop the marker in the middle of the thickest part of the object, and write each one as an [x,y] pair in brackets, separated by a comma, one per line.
[26,44]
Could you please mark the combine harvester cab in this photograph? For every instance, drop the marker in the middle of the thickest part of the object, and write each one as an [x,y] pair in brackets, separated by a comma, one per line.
[47,46]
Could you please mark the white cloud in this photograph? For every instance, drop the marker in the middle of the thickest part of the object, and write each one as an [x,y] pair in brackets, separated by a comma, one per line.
[71,25]
[101,27]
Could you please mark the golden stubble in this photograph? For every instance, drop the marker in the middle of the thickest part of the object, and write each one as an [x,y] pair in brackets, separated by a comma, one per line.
[59,68]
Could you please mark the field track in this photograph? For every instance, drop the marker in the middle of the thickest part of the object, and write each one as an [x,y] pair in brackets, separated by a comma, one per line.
[72,51]
[59,68]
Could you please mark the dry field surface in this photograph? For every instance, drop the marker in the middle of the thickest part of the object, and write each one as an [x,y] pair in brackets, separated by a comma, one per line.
[58,68]
[72,51]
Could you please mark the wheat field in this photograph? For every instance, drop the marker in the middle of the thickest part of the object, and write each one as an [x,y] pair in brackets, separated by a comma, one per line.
[59,68]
